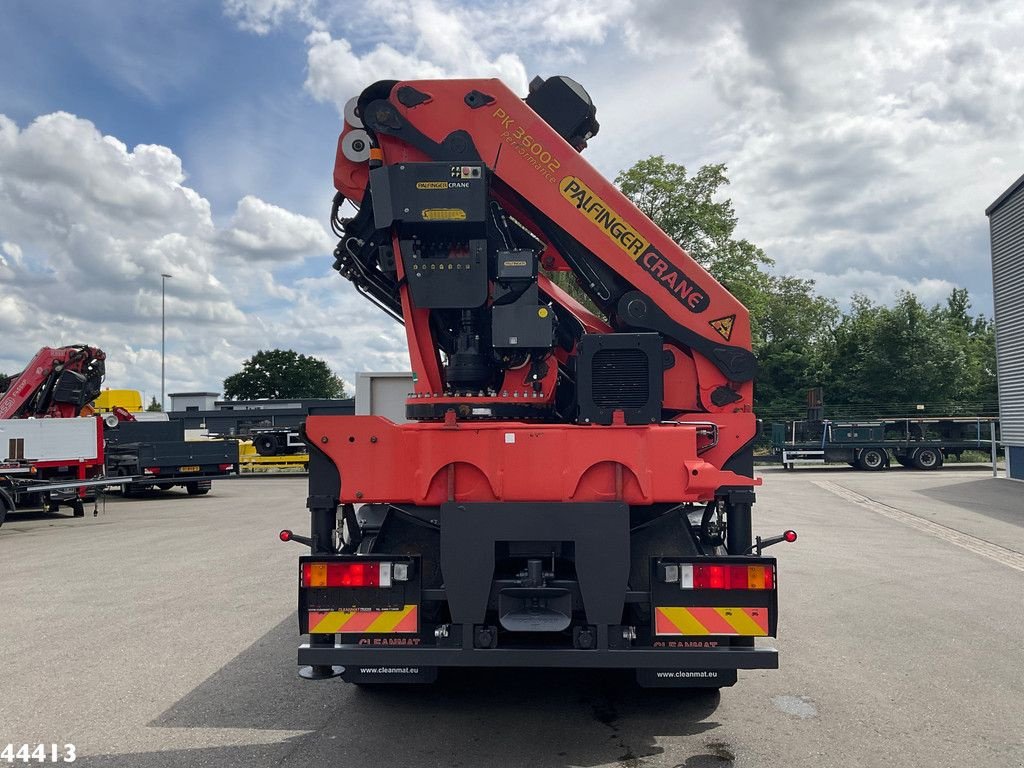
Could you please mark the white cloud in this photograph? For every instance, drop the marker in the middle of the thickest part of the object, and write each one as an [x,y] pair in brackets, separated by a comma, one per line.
[260,230]
[261,16]
[87,226]
[437,44]
[881,288]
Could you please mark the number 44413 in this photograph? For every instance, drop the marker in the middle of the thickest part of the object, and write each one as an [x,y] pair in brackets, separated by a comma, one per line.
[39,753]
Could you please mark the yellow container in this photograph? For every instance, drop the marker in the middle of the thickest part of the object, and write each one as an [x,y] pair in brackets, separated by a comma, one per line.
[129,399]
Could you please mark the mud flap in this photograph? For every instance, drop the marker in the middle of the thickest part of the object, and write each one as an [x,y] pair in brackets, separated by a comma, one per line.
[673,677]
[370,673]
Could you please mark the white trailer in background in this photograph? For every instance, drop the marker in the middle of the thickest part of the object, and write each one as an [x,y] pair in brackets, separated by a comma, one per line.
[45,463]
[50,440]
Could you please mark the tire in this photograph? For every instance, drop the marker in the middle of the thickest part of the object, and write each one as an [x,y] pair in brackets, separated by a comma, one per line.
[3,510]
[872,459]
[265,445]
[927,458]
[165,486]
[194,489]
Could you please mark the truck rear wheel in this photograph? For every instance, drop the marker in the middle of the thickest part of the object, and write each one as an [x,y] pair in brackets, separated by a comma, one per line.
[3,510]
[872,459]
[927,458]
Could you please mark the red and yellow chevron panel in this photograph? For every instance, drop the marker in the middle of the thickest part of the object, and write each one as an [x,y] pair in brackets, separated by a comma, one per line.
[747,622]
[365,622]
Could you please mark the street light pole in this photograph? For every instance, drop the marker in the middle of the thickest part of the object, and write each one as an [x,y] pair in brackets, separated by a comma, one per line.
[163,336]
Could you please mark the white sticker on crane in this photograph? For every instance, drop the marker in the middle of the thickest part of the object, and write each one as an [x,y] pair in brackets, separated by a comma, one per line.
[510,437]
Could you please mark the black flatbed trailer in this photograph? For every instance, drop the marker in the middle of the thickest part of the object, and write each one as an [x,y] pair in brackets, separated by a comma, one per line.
[872,444]
[157,454]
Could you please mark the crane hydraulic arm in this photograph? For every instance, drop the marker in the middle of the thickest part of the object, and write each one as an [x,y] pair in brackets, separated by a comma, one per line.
[541,489]
[57,382]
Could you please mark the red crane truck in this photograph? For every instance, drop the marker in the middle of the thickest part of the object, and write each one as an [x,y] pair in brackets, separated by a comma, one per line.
[58,383]
[574,488]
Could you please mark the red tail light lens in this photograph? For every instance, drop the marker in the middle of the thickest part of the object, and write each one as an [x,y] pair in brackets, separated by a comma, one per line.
[341,574]
[733,577]
[226,467]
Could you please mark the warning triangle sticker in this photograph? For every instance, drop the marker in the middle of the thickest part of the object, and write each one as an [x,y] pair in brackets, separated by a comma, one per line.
[724,326]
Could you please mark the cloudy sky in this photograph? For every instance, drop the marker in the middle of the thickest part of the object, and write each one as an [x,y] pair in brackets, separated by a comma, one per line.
[864,140]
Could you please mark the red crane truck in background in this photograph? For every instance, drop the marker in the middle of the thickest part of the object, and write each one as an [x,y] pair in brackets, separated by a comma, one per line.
[573,489]
[58,383]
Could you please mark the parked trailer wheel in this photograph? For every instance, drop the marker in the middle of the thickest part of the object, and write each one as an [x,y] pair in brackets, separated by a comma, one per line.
[872,459]
[165,486]
[927,458]
[266,445]
[196,489]
[3,510]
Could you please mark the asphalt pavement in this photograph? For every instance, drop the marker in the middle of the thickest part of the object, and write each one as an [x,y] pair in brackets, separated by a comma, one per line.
[162,632]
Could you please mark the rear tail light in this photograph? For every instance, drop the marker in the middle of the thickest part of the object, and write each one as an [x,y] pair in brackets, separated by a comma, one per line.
[352,573]
[341,574]
[722,576]
[151,470]
[226,467]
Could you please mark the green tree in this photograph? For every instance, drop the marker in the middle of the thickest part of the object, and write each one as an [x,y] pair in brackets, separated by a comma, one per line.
[893,357]
[690,210]
[794,341]
[283,373]
[154,406]
[974,338]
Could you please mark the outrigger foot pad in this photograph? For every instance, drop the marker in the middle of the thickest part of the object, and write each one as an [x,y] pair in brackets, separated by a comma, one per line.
[320,672]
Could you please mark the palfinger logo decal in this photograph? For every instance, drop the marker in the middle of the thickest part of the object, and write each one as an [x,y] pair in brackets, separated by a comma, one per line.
[724,326]
[597,210]
[632,243]
[365,622]
[746,622]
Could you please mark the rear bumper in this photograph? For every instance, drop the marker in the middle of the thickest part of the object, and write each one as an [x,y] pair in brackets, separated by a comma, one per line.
[633,658]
